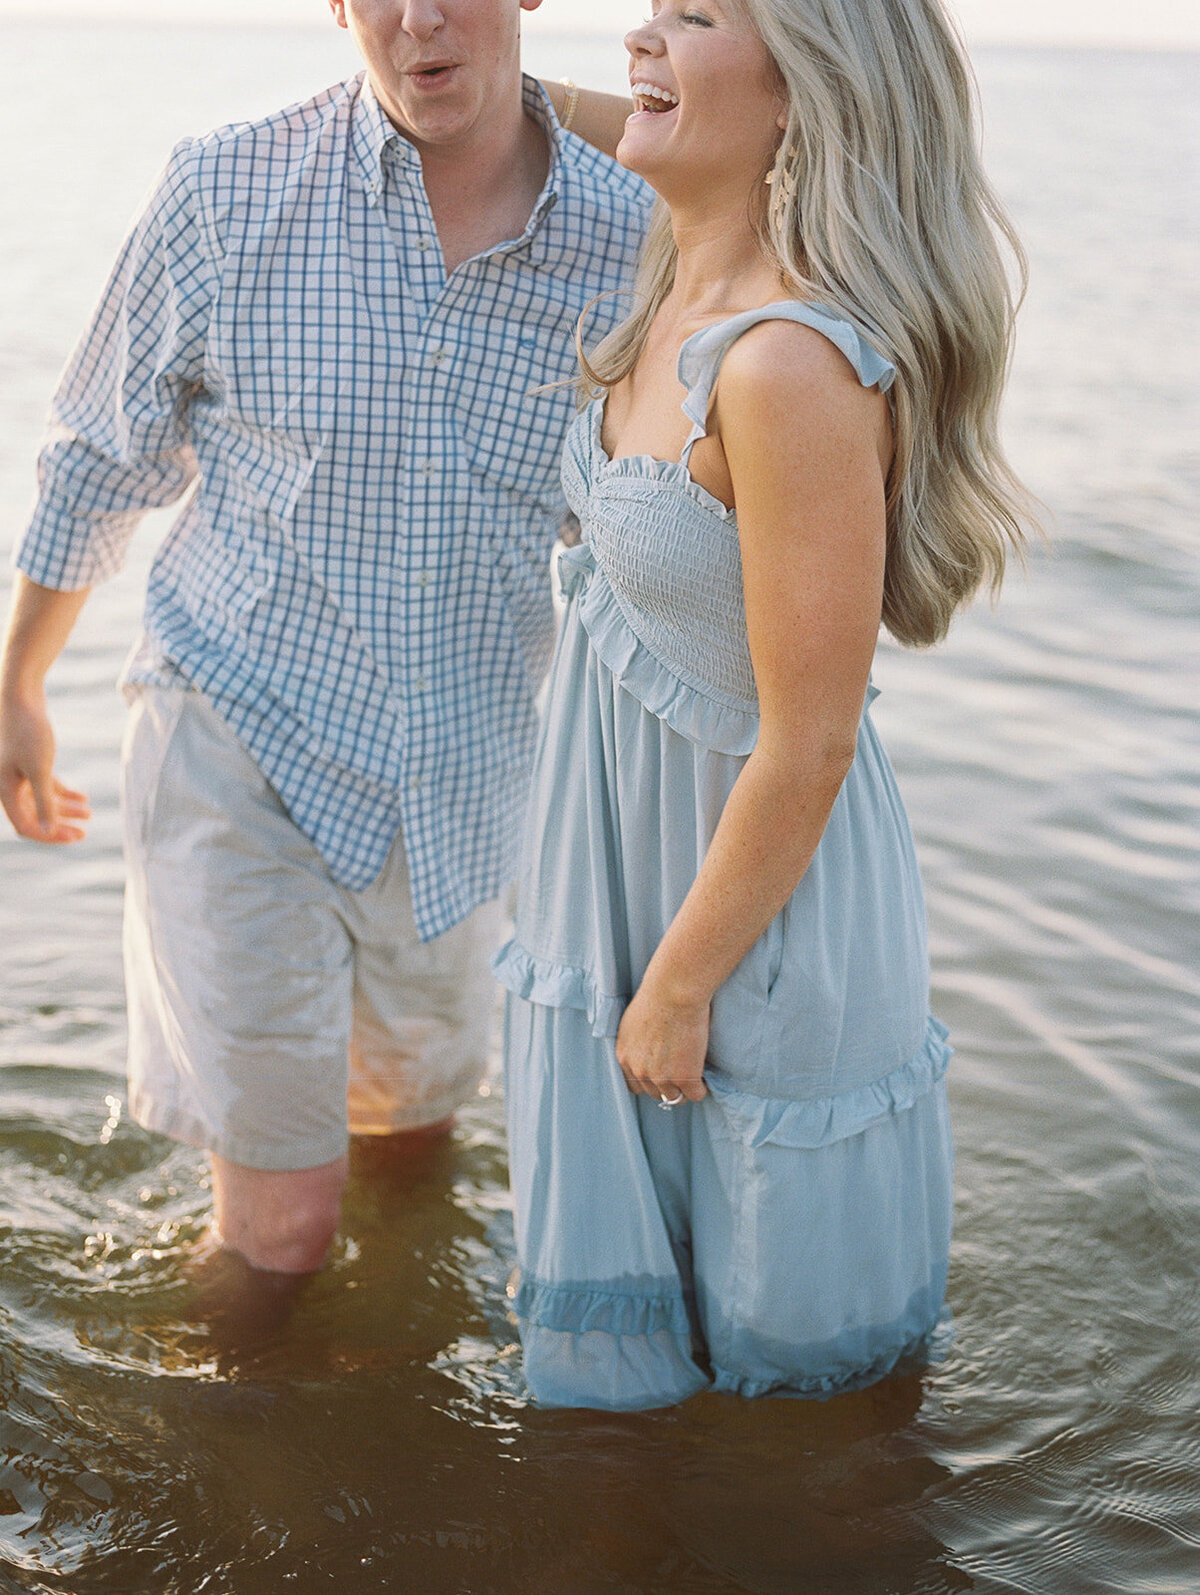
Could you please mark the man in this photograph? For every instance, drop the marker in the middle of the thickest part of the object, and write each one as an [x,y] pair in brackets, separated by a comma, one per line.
[331,325]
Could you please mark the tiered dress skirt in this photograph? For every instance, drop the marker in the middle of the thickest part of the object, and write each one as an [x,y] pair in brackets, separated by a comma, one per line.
[790,1232]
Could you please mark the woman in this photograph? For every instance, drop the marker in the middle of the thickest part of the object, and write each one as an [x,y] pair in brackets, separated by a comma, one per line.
[720,915]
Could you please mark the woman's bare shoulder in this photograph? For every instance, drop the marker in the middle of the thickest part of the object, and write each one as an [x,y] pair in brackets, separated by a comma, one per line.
[780,373]
[782,361]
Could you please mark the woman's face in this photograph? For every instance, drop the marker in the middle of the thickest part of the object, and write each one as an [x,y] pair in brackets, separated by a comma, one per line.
[709,102]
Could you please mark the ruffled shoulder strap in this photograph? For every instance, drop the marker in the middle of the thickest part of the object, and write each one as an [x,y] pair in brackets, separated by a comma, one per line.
[701,355]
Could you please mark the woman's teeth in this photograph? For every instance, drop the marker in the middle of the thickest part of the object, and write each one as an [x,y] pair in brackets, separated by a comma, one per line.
[648,97]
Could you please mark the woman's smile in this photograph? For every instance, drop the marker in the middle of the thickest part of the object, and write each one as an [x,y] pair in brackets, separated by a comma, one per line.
[693,61]
[650,98]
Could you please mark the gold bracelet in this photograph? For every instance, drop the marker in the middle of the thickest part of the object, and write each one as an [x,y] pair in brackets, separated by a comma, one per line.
[571,106]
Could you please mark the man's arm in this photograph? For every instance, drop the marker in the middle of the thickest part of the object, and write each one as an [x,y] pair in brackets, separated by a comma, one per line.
[119,444]
[598,118]
[119,440]
[38,804]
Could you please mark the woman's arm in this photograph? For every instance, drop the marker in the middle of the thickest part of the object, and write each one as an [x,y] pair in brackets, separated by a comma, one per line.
[597,118]
[807,449]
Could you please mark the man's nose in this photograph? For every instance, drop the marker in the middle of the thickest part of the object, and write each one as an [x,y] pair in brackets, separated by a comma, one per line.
[421,19]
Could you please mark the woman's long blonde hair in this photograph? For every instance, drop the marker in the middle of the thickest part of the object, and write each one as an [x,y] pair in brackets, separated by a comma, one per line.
[879,209]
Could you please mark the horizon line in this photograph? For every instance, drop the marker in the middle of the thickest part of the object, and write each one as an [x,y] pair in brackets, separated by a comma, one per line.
[547,29]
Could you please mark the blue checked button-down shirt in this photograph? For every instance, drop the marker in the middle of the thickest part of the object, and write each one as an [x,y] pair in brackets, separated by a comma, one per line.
[359,582]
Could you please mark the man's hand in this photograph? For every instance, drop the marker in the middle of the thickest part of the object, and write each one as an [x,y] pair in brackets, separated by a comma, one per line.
[40,807]
[38,804]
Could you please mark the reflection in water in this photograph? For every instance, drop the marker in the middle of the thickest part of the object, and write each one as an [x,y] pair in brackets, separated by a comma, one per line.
[379,1438]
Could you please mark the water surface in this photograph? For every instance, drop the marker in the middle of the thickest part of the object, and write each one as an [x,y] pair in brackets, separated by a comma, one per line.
[1050,759]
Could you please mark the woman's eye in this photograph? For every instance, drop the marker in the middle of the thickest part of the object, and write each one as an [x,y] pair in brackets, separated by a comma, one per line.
[695,18]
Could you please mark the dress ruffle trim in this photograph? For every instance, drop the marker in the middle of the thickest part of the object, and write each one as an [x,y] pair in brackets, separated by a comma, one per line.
[700,355]
[919,1338]
[776,1121]
[638,473]
[762,1121]
[919,1350]
[556,985]
[576,1310]
[693,710]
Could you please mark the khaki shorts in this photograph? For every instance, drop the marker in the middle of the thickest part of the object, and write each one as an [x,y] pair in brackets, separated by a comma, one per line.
[273,1012]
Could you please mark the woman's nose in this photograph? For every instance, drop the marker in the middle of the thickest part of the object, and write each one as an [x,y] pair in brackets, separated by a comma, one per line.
[643,40]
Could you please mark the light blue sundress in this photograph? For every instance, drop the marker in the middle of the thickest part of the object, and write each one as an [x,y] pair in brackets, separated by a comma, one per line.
[790,1232]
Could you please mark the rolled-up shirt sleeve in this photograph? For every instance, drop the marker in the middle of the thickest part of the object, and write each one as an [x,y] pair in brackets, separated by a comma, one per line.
[118,441]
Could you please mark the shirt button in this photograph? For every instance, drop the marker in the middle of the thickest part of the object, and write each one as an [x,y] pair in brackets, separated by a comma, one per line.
[424,577]
[423,244]
[428,467]
[416,782]
[438,356]
[420,684]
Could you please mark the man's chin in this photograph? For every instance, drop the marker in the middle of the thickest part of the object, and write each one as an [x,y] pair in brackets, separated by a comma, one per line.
[436,124]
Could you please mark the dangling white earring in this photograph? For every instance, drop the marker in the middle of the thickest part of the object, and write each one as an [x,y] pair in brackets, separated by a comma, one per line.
[781,180]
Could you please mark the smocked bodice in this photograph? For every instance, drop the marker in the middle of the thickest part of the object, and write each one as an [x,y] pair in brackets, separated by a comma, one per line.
[667,548]
[670,553]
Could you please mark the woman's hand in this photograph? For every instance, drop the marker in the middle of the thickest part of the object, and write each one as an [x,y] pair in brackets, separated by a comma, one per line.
[661,1045]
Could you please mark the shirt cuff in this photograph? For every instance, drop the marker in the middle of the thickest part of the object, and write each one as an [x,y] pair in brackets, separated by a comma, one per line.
[67,552]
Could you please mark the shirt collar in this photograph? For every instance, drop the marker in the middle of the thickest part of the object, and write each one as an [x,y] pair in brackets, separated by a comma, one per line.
[536,237]
[372,133]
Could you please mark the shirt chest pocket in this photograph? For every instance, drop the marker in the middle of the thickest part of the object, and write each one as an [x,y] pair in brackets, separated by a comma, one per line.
[511,425]
[271,365]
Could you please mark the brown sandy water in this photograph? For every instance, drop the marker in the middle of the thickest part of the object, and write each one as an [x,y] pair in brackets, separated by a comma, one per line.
[1049,755]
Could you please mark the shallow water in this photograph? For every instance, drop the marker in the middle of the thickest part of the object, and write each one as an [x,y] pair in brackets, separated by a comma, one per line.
[1050,758]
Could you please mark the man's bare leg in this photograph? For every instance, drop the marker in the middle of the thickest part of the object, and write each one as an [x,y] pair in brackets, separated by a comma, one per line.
[271,1232]
[279,1221]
